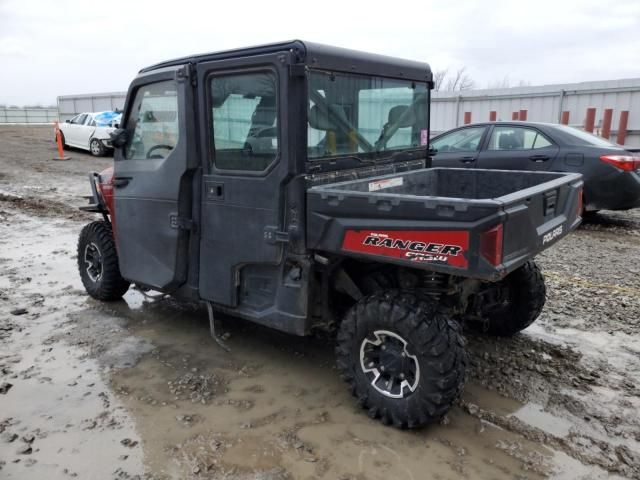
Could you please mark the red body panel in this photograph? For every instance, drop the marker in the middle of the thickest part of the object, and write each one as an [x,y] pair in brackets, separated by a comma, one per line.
[443,247]
[106,190]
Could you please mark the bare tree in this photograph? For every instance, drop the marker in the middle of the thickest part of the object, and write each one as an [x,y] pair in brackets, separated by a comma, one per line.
[504,83]
[460,81]
[507,83]
[438,79]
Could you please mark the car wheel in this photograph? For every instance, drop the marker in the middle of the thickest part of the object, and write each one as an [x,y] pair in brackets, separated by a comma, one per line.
[98,262]
[403,360]
[96,148]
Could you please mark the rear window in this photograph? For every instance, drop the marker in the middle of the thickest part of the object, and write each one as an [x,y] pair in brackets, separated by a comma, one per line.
[580,137]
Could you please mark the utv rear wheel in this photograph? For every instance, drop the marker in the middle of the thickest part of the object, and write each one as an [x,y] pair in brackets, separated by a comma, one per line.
[96,148]
[525,298]
[403,361]
[98,263]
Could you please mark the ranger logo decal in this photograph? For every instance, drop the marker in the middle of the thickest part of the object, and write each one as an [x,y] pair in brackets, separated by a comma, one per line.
[445,247]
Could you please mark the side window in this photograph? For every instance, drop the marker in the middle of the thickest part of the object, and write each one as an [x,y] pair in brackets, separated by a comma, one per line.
[245,121]
[91,122]
[80,119]
[463,140]
[517,138]
[153,122]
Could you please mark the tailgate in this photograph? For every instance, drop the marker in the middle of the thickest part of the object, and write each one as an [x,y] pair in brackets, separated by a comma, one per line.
[473,223]
[538,217]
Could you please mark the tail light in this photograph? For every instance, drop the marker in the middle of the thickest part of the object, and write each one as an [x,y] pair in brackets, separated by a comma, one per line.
[627,163]
[491,245]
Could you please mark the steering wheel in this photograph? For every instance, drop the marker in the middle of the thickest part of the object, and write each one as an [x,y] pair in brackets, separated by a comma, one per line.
[156,147]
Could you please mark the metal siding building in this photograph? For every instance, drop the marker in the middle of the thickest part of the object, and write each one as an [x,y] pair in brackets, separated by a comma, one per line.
[543,104]
[71,105]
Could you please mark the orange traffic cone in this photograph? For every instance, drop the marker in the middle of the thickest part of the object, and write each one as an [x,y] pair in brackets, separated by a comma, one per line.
[61,155]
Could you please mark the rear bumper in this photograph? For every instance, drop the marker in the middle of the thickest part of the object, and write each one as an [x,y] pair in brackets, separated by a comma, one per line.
[618,191]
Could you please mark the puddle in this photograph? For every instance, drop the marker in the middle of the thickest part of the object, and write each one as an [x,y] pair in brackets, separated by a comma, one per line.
[61,398]
[272,408]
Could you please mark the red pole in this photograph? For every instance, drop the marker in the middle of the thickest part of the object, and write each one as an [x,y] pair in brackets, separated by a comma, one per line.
[467,118]
[493,116]
[514,116]
[565,118]
[622,127]
[606,122]
[590,121]
[523,115]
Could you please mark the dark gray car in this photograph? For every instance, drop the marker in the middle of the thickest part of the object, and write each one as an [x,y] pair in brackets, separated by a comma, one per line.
[611,173]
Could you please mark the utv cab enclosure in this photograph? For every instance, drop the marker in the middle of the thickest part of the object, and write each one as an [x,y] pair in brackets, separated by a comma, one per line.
[290,184]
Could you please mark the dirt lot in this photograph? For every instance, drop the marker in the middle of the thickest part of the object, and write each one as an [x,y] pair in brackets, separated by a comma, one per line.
[137,389]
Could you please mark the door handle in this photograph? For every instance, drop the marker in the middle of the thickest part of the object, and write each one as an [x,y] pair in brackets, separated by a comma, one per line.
[539,158]
[467,159]
[119,182]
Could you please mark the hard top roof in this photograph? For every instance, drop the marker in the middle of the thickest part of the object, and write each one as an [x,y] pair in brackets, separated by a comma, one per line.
[315,55]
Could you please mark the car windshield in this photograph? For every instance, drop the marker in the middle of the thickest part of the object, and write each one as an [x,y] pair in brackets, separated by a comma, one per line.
[585,138]
[364,116]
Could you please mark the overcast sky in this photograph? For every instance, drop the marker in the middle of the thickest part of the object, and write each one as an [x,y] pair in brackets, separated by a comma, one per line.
[50,48]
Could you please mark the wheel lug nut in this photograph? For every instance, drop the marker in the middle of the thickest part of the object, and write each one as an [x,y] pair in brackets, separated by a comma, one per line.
[402,376]
[383,347]
[382,368]
[404,354]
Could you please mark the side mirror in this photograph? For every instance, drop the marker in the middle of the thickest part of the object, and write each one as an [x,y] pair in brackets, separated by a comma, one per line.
[119,138]
[67,121]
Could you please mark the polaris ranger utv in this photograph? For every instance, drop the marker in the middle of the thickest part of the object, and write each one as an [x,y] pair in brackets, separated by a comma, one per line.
[290,184]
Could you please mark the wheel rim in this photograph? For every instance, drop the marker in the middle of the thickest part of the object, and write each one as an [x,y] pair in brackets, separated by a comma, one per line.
[95,147]
[391,369]
[93,262]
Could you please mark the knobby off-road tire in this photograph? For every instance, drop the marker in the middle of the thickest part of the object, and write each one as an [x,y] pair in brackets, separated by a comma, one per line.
[98,262]
[428,349]
[526,298]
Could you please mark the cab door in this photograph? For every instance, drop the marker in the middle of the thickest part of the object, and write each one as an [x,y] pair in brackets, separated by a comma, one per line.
[152,187]
[245,167]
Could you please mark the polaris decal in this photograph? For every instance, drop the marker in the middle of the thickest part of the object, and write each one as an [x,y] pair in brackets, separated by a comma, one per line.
[552,235]
[444,247]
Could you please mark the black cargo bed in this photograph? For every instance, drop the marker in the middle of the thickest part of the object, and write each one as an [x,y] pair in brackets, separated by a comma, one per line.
[445,206]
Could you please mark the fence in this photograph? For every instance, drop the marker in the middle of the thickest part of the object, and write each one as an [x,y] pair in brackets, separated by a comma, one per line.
[589,104]
[28,115]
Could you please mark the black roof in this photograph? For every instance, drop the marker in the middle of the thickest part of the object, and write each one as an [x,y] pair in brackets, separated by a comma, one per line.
[315,55]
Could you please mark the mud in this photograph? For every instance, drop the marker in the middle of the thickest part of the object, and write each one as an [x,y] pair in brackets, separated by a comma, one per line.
[138,389]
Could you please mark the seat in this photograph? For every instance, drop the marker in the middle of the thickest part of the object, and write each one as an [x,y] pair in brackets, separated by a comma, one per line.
[509,141]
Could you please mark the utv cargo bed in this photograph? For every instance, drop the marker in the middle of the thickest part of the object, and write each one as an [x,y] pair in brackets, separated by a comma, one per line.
[473,223]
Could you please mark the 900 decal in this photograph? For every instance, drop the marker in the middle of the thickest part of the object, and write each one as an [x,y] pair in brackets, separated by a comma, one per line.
[448,247]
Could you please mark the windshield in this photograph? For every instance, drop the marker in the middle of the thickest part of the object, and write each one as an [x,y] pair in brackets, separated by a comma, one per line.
[364,116]
[585,138]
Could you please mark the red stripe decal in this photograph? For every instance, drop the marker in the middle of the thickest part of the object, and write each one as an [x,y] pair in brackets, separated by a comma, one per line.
[442,247]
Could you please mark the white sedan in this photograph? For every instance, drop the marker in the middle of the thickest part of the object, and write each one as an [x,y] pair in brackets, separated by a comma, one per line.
[90,131]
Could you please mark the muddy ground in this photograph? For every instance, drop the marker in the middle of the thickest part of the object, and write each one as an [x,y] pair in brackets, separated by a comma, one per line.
[137,389]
